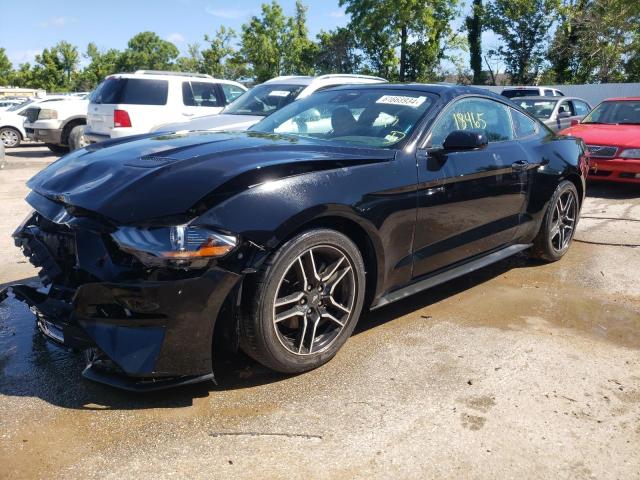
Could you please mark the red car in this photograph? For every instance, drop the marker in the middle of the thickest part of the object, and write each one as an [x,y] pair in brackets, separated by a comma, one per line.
[612,134]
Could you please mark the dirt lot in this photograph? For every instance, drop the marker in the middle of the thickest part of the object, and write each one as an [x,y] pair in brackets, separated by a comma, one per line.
[519,370]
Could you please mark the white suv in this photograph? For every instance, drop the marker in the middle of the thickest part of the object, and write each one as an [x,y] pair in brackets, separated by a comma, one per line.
[134,103]
[266,98]
[56,123]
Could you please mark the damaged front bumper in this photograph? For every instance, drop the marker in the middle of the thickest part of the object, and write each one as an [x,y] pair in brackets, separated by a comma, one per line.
[142,329]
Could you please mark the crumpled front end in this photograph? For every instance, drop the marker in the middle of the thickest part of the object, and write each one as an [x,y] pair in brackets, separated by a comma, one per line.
[142,328]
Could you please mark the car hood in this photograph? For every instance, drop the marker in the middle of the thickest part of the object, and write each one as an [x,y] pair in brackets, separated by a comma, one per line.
[614,135]
[222,121]
[157,176]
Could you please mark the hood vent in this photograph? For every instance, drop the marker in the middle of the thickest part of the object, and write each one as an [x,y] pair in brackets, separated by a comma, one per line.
[150,161]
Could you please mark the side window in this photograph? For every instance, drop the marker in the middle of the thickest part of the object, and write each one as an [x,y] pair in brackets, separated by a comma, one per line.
[523,126]
[199,94]
[231,92]
[474,114]
[580,108]
[548,93]
[566,107]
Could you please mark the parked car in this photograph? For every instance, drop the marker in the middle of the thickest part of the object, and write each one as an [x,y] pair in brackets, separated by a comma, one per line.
[57,123]
[12,130]
[266,98]
[279,237]
[555,113]
[8,103]
[512,92]
[612,134]
[133,103]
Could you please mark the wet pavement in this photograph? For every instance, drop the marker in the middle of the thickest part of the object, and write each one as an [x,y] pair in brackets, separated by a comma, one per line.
[520,369]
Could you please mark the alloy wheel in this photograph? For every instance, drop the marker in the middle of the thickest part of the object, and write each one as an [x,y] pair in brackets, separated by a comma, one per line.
[314,300]
[9,137]
[564,221]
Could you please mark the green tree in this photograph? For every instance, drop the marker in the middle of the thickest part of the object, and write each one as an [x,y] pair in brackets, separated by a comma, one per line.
[299,51]
[218,52]
[264,41]
[475,24]
[100,65]
[337,52]
[523,26]
[416,28]
[193,61]
[6,68]
[148,51]
[23,76]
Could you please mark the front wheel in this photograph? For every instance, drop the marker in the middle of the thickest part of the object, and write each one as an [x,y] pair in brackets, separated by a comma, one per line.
[10,137]
[559,224]
[305,302]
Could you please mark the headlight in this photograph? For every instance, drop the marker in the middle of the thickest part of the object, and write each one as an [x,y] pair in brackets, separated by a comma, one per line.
[630,153]
[180,246]
[47,114]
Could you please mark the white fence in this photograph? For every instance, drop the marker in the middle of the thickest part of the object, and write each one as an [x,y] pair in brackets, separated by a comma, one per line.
[593,93]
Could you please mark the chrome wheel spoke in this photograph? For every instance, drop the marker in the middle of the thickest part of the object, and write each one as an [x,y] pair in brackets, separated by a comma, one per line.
[313,265]
[337,305]
[332,318]
[313,334]
[304,332]
[305,281]
[332,269]
[294,297]
[292,312]
[339,278]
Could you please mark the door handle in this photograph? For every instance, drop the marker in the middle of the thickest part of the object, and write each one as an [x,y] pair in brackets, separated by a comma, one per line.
[520,165]
[433,191]
[188,114]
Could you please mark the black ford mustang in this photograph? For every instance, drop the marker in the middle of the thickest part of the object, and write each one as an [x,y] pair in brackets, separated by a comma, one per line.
[352,198]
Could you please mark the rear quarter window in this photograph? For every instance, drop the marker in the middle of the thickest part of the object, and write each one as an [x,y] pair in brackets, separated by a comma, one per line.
[132,91]
[523,126]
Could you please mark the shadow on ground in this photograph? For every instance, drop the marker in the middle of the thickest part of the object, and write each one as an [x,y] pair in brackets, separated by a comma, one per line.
[613,191]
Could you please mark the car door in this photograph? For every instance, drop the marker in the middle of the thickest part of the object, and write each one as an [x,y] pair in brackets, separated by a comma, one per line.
[477,205]
[565,113]
[201,98]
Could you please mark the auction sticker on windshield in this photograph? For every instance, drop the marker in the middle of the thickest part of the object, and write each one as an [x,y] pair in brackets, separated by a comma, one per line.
[279,93]
[401,100]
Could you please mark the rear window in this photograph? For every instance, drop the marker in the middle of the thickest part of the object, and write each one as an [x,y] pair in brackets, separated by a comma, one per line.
[520,93]
[132,91]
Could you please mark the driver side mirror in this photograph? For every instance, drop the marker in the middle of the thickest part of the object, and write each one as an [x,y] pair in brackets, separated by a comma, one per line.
[465,140]
[564,114]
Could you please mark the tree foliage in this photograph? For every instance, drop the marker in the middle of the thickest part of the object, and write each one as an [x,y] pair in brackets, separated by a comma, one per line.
[475,24]
[417,29]
[409,40]
[523,27]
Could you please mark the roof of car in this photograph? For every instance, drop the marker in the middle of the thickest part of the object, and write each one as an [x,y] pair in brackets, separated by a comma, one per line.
[441,89]
[165,75]
[539,97]
[308,80]
[621,99]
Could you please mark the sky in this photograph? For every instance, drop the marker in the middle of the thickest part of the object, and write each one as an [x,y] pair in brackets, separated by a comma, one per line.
[111,23]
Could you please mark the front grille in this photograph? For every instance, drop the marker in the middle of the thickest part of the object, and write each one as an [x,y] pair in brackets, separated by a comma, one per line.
[32,114]
[602,151]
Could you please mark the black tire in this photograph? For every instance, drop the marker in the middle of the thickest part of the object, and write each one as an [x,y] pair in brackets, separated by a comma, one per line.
[556,232]
[57,149]
[76,138]
[264,338]
[10,137]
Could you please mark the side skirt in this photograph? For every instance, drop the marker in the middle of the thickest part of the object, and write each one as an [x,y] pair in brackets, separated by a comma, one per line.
[450,274]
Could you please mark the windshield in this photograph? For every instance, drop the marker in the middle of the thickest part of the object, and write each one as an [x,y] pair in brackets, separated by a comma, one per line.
[520,93]
[615,112]
[18,106]
[538,108]
[369,117]
[264,99]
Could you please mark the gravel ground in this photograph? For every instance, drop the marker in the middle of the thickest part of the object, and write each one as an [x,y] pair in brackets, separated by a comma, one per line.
[518,370]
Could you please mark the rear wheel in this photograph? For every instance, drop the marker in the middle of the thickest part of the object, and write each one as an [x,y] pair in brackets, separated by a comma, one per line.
[305,302]
[10,137]
[558,225]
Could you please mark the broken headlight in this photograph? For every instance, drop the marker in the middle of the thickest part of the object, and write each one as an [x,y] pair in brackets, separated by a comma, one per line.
[180,246]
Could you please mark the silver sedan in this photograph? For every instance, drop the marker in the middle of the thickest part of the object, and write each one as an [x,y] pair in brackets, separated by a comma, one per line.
[557,113]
